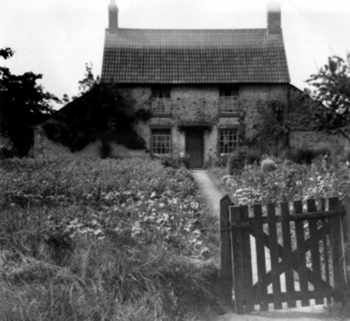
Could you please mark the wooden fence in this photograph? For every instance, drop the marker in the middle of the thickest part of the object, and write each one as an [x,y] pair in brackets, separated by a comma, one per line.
[278,255]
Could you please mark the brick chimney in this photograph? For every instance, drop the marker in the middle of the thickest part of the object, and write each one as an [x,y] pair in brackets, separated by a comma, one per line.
[113,17]
[273,19]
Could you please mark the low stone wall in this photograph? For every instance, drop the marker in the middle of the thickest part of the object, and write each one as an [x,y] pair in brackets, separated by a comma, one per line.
[336,144]
[45,147]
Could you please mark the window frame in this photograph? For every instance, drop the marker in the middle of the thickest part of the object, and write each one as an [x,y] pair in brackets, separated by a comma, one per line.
[228,95]
[161,101]
[222,150]
[161,128]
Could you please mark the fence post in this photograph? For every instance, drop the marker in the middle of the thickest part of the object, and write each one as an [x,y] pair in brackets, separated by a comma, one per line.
[226,277]
[346,231]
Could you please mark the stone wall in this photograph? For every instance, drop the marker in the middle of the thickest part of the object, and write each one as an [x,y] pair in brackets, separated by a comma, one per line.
[335,144]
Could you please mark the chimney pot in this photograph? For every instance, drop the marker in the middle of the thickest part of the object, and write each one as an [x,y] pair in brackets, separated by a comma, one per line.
[273,18]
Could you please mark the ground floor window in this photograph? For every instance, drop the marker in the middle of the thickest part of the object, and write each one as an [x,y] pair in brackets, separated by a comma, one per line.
[161,141]
[228,140]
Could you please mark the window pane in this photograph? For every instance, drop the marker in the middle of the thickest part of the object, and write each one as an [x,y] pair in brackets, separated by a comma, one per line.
[228,140]
[161,142]
[228,100]
[161,105]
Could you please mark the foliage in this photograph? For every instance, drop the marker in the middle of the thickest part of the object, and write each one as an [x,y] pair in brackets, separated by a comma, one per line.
[105,149]
[98,114]
[112,239]
[240,157]
[174,161]
[6,53]
[141,192]
[89,82]
[236,160]
[331,88]
[24,104]
[306,156]
[268,130]
[7,152]
[290,182]
[221,161]
[268,165]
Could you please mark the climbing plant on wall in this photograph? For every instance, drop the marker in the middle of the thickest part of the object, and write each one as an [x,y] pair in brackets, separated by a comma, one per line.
[98,114]
[270,126]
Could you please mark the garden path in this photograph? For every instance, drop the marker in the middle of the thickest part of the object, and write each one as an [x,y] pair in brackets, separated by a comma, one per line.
[212,198]
[208,189]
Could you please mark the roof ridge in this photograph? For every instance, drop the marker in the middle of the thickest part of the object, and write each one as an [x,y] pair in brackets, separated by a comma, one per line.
[174,29]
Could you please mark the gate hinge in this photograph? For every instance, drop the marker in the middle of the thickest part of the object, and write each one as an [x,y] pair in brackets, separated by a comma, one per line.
[235,226]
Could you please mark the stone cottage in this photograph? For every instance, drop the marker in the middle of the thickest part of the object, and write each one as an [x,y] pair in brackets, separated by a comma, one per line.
[205,89]
[195,82]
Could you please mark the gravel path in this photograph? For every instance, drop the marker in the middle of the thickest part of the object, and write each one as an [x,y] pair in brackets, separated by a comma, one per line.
[212,197]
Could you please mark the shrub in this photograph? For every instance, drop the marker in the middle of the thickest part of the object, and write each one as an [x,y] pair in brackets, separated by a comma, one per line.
[268,165]
[289,182]
[305,156]
[240,157]
[221,161]
[177,161]
[7,152]
[236,160]
[105,149]
[253,155]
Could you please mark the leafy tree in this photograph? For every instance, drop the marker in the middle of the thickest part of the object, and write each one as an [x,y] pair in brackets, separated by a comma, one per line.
[331,88]
[87,83]
[24,104]
[6,53]
[89,80]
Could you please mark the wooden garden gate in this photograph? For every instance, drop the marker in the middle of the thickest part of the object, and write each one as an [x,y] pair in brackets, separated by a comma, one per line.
[277,255]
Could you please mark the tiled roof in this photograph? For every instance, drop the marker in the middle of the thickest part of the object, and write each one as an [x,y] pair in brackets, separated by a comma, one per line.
[194,56]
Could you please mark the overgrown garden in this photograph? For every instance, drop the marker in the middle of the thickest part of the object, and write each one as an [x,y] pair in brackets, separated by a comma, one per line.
[103,240]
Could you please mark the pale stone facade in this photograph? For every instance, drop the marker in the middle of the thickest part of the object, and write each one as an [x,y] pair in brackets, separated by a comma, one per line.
[199,107]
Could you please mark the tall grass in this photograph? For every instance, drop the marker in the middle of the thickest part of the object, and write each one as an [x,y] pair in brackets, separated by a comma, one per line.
[138,249]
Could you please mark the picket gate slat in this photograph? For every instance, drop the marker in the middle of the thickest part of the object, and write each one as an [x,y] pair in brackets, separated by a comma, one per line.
[226,272]
[238,262]
[315,252]
[336,246]
[276,284]
[247,262]
[261,260]
[299,229]
[325,223]
[287,257]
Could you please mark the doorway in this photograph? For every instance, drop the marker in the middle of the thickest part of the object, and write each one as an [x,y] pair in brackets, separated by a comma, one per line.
[195,146]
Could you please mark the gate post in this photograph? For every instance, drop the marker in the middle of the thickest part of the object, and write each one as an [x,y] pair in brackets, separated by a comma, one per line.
[225,277]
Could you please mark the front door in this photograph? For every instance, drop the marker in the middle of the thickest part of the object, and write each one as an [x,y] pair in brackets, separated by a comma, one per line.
[194,146]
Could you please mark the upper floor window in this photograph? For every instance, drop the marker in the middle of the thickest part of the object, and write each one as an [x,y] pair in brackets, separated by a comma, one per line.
[161,102]
[228,100]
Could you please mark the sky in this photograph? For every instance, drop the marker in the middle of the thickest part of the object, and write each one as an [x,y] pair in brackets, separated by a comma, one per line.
[56,38]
